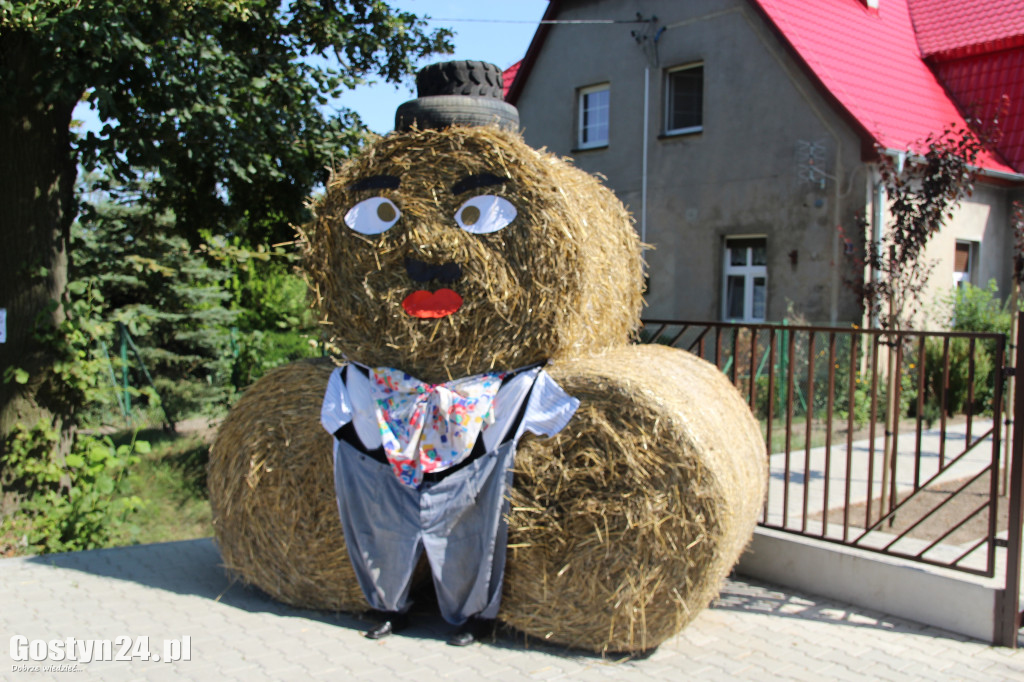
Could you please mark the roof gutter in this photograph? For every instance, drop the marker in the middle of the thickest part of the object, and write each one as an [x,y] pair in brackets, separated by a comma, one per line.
[1001,175]
[902,156]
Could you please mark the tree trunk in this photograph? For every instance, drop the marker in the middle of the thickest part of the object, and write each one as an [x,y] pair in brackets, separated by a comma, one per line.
[37,174]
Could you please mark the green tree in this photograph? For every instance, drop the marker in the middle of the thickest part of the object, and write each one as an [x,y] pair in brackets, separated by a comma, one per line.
[274,324]
[167,296]
[220,100]
[923,195]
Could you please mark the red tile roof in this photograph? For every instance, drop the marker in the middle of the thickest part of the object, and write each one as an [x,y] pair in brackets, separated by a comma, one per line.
[870,62]
[508,76]
[976,47]
[983,84]
[967,26]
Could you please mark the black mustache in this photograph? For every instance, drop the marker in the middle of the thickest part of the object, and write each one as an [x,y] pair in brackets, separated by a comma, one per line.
[424,272]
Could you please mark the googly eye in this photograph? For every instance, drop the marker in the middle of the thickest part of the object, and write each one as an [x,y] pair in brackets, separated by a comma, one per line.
[372,216]
[485,214]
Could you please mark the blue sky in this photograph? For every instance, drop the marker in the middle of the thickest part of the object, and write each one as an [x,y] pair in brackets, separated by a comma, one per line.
[499,32]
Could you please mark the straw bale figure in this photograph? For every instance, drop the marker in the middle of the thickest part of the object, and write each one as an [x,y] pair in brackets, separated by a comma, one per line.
[623,525]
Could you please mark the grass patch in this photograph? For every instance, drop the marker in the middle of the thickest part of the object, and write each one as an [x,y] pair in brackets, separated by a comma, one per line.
[798,435]
[171,480]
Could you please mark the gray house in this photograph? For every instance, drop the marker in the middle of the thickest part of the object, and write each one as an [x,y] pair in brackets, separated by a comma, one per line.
[743,134]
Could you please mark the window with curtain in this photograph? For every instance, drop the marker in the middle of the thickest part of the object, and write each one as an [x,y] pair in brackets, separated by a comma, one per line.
[594,105]
[745,287]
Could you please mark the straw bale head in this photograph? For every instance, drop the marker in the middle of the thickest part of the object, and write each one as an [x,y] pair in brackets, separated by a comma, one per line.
[451,252]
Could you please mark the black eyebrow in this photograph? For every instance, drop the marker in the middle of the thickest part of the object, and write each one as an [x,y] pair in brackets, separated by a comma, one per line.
[479,180]
[375,182]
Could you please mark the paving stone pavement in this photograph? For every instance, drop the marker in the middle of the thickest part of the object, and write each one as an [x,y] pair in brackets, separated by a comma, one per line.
[173,591]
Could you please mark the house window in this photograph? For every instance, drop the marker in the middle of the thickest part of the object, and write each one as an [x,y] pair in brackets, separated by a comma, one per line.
[964,258]
[684,100]
[745,286]
[593,123]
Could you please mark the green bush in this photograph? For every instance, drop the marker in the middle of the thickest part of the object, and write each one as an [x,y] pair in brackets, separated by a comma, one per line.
[862,399]
[970,309]
[167,300]
[275,326]
[207,321]
[974,309]
[77,504]
[959,376]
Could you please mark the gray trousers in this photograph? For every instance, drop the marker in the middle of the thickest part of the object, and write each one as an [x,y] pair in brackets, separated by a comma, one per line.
[460,520]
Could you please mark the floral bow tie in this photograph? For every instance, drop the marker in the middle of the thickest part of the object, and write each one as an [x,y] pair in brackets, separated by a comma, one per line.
[430,427]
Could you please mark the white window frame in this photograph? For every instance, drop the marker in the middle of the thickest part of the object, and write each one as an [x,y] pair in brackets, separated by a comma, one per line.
[749,272]
[582,127]
[967,277]
[670,100]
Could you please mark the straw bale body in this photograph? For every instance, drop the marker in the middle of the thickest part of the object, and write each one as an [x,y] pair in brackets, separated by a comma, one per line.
[622,527]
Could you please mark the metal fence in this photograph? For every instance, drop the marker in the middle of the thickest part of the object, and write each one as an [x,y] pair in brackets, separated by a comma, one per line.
[891,442]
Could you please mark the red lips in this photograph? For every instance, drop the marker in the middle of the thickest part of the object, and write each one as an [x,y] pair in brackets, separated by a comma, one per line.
[432,304]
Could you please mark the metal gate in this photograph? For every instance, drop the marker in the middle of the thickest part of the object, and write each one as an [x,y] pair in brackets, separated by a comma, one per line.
[891,442]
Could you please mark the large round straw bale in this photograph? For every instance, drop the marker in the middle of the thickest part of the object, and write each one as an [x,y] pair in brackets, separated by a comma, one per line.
[564,278]
[272,492]
[624,525]
[621,529]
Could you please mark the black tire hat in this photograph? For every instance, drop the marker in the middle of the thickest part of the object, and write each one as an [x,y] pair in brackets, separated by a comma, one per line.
[461,92]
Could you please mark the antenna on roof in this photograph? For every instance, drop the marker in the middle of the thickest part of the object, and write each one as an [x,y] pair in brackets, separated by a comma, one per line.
[647,38]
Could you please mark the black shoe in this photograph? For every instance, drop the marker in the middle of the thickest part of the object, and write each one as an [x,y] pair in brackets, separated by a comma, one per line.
[393,622]
[471,631]
[461,637]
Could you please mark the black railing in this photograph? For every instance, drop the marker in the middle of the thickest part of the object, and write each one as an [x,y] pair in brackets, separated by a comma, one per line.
[890,442]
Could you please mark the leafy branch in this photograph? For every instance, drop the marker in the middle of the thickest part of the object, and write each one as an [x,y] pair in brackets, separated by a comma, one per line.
[923,191]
